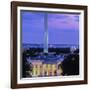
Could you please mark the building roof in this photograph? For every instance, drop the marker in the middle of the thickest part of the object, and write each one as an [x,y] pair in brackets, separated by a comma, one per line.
[47,59]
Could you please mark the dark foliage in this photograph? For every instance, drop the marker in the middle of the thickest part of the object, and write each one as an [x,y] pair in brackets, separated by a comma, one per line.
[26,66]
[70,65]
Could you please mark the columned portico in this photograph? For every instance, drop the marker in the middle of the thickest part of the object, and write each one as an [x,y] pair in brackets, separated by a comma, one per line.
[44,69]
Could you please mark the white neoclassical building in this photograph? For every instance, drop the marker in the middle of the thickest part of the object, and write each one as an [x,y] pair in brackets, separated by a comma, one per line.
[45,68]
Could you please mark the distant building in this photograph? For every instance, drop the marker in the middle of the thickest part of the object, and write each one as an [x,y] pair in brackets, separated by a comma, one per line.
[45,68]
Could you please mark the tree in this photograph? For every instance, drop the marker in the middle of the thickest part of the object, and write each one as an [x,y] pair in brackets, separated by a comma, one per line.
[26,66]
[70,65]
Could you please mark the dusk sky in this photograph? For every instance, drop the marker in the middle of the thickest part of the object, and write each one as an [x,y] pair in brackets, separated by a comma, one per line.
[62,28]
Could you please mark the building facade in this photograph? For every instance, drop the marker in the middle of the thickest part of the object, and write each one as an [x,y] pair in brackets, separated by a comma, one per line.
[41,69]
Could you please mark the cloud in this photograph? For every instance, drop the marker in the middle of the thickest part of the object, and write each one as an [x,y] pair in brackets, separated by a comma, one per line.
[63,21]
[63,28]
[56,21]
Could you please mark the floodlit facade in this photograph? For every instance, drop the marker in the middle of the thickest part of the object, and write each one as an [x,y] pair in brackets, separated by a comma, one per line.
[45,69]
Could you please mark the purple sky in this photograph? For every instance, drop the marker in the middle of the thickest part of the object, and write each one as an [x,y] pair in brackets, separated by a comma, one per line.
[62,28]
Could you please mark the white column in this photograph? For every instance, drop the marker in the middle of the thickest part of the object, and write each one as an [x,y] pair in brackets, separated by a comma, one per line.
[46,34]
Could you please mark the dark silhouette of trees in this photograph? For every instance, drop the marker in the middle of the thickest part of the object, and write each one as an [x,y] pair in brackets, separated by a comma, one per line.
[33,52]
[26,66]
[70,65]
[59,50]
[76,51]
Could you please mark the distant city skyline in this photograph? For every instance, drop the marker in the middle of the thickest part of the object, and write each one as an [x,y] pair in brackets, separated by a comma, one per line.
[62,28]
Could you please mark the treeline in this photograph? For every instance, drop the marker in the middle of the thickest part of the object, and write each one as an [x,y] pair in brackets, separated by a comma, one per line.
[70,65]
[62,50]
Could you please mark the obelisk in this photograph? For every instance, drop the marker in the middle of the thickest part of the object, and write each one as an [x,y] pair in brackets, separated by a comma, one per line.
[46,34]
